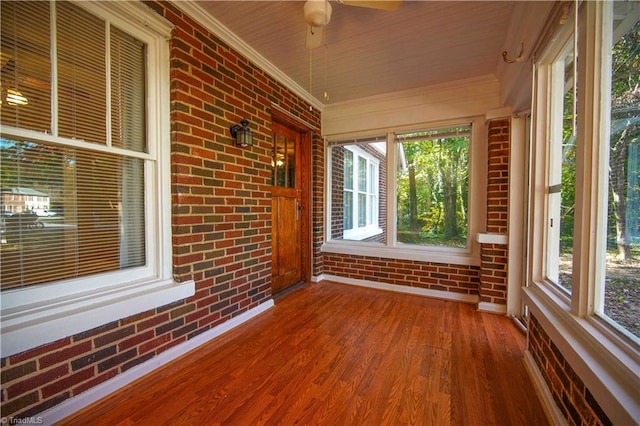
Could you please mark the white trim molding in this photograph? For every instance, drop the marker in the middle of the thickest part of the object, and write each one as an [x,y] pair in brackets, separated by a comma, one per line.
[542,390]
[77,403]
[490,238]
[492,308]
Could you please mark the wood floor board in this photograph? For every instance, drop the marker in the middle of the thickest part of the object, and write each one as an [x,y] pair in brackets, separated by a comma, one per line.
[333,354]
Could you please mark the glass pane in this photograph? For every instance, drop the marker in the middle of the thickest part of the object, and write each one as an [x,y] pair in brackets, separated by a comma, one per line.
[284,162]
[372,180]
[26,65]
[128,94]
[81,74]
[622,283]
[291,163]
[357,214]
[362,209]
[348,210]
[433,185]
[68,213]
[280,177]
[562,171]
[348,169]
[362,174]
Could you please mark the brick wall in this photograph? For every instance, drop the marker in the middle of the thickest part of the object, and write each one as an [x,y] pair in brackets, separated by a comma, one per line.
[337,192]
[433,276]
[318,201]
[493,276]
[570,394]
[221,223]
[498,175]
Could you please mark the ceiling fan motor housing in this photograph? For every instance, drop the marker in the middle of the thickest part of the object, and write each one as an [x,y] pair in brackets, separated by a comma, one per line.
[317,13]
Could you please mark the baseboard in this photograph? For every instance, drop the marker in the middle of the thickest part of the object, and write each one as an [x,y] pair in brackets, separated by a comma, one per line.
[542,390]
[438,294]
[75,404]
[318,278]
[493,308]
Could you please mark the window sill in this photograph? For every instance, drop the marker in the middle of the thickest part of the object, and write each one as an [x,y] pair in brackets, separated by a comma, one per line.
[419,254]
[31,325]
[607,367]
[362,233]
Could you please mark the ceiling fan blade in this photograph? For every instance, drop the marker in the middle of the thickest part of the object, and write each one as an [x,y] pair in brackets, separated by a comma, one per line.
[373,4]
[314,37]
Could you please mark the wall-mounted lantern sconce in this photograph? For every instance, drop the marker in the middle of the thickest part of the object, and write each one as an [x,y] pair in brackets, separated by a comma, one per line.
[242,134]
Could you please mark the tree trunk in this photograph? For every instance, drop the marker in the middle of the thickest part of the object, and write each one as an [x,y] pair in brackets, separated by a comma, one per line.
[414,224]
[618,182]
[449,183]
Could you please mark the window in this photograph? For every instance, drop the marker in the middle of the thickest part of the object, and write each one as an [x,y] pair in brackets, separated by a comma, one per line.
[428,215]
[562,159]
[357,181]
[98,195]
[432,195]
[360,184]
[83,127]
[595,144]
[618,295]
[583,278]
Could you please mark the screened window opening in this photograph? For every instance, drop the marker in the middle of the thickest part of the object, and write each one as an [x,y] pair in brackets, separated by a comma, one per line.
[433,186]
[74,149]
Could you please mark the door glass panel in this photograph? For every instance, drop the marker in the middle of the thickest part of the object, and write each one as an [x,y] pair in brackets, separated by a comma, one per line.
[291,163]
[284,162]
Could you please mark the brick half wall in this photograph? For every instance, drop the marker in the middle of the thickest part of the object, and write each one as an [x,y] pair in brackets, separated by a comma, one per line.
[572,397]
[408,273]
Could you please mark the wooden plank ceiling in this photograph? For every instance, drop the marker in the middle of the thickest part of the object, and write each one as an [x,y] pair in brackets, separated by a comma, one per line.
[370,52]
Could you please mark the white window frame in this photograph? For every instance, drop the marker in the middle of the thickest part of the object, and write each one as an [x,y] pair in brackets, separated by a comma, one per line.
[39,314]
[394,250]
[605,361]
[371,227]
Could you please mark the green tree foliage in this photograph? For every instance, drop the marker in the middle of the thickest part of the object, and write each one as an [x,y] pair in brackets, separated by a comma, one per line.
[624,141]
[432,189]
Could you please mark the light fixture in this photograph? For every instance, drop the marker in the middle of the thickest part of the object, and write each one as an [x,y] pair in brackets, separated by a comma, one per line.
[242,134]
[16,98]
[317,13]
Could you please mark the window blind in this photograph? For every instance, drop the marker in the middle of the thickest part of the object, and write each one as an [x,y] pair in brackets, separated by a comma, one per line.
[26,65]
[71,211]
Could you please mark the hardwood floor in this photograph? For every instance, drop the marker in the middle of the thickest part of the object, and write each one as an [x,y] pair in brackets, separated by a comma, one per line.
[332,354]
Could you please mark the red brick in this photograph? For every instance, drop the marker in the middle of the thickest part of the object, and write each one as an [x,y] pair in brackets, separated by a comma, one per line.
[93,382]
[152,322]
[135,340]
[153,344]
[33,353]
[67,382]
[64,354]
[36,381]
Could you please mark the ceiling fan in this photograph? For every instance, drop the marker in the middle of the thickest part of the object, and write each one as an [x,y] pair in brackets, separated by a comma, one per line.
[317,14]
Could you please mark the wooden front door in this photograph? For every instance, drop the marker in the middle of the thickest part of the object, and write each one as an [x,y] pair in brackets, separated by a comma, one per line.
[286,208]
